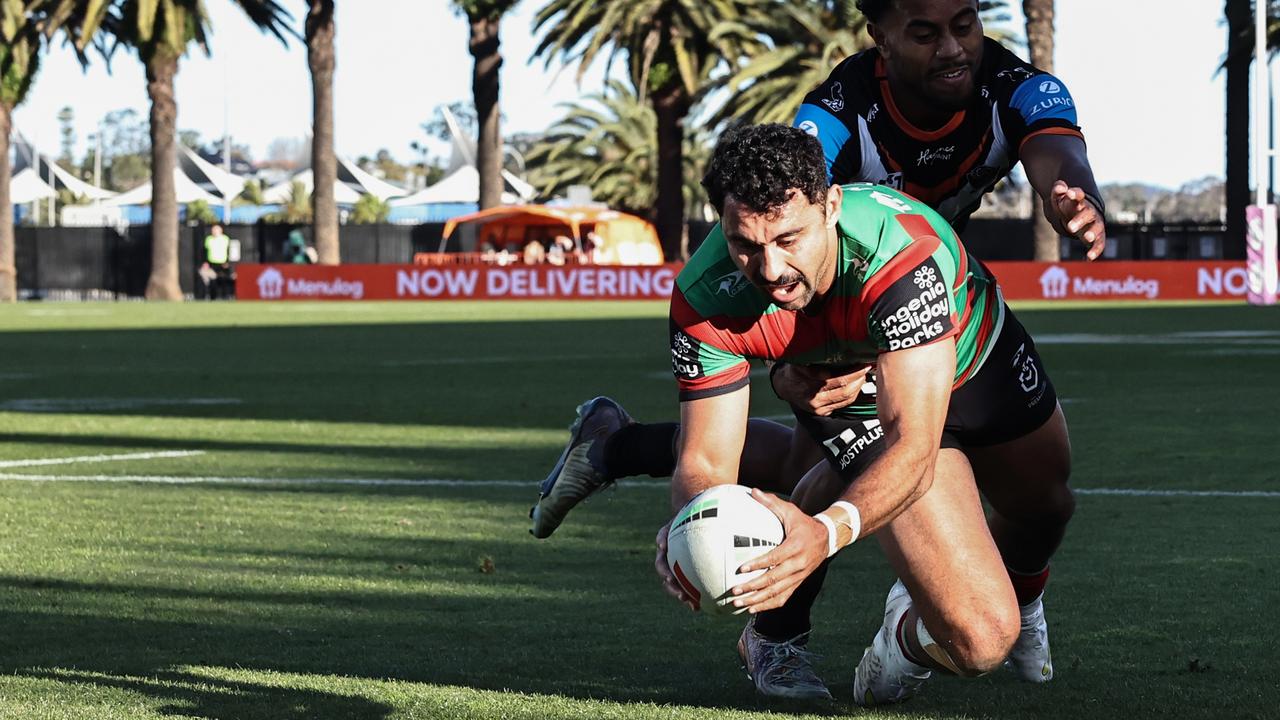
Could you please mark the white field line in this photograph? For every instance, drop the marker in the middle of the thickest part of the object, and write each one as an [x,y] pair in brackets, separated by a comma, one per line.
[100,458]
[505,359]
[1177,493]
[530,484]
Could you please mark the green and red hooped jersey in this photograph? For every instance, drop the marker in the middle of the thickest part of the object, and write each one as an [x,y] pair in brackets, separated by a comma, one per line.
[903,280]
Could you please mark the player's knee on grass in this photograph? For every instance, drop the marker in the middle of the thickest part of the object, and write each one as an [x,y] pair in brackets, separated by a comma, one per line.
[970,636]
[981,638]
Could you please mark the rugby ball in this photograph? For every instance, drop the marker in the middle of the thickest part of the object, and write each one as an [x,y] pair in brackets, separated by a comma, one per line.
[718,531]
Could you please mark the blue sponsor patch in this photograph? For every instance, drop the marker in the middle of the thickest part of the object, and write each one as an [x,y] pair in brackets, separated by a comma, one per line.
[1043,97]
[829,129]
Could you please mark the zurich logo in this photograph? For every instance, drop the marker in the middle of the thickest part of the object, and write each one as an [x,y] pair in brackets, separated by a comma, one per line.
[1050,87]
[809,127]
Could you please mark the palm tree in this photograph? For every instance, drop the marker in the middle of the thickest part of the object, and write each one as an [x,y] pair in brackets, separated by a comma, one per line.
[324,160]
[671,48]
[25,28]
[804,41]
[161,31]
[484,17]
[800,44]
[1039,15]
[609,143]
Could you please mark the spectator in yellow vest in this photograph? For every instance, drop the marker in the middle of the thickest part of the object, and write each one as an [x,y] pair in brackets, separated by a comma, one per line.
[217,252]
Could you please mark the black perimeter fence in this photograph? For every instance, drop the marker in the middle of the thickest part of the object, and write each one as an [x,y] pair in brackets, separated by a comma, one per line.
[106,263]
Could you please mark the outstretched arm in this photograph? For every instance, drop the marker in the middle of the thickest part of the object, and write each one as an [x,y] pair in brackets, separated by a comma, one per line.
[1058,168]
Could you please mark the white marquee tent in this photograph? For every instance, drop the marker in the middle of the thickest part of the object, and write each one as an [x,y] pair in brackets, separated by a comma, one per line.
[26,157]
[279,193]
[25,187]
[463,186]
[187,191]
[352,183]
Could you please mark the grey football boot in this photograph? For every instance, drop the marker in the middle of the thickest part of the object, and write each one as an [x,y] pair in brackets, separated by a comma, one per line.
[780,668]
[580,469]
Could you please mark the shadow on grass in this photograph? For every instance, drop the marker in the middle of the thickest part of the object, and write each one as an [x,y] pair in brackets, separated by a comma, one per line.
[538,628]
[187,695]
[465,373]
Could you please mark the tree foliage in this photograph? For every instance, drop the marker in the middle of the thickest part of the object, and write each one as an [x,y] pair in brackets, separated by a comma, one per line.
[199,211]
[297,211]
[492,9]
[369,210]
[608,142]
[799,44]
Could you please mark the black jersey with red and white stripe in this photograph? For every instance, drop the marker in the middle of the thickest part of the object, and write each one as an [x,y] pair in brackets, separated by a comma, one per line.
[866,139]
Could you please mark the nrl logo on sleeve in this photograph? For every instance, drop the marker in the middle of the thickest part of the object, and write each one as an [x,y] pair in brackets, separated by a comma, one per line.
[731,284]
[684,356]
[1015,74]
[836,101]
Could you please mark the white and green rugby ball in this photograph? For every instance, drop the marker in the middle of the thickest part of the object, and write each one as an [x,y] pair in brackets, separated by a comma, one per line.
[718,531]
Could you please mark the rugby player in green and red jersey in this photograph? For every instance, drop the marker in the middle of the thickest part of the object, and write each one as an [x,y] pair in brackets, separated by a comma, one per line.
[936,109]
[851,276]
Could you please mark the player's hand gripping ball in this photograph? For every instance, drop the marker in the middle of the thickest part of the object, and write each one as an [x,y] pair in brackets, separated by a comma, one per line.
[718,531]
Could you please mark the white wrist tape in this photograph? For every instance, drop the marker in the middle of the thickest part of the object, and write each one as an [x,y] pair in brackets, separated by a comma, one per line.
[855,518]
[831,533]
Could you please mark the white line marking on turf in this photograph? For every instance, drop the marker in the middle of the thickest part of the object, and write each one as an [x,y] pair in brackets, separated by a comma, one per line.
[1176,493]
[501,359]
[99,458]
[1240,338]
[530,484]
[103,404]
[207,480]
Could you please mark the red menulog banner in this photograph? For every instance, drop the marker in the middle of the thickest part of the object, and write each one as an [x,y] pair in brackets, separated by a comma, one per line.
[454,282]
[1108,280]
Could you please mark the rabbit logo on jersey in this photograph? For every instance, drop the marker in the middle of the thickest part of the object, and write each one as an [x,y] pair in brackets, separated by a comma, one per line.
[918,311]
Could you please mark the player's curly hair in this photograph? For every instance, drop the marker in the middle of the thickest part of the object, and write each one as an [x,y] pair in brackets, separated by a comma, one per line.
[873,10]
[760,165]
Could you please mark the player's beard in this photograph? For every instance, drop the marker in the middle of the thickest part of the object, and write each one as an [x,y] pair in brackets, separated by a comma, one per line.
[803,285]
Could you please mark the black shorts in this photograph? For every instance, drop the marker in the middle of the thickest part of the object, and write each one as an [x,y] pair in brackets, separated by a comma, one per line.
[1009,397]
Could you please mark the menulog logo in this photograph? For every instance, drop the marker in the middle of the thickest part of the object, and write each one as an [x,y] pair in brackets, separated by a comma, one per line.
[1054,281]
[270,284]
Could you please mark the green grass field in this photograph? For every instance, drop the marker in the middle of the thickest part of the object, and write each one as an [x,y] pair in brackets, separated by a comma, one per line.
[245,595]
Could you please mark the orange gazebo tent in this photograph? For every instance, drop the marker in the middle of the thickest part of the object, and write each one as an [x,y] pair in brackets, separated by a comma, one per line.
[624,239]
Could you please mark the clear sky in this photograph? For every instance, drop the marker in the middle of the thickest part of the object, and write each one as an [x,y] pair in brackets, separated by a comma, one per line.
[1142,72]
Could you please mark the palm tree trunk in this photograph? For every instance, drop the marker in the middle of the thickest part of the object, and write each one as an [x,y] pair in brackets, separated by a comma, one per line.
[484,90]
[162,67]
[1039,14]
[8,272]
[1239,57]
[324,161]
[671,105]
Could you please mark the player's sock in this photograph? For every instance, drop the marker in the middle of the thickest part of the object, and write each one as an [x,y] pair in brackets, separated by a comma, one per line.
[792,619]
[900,636]
[1028,587]
[641,449]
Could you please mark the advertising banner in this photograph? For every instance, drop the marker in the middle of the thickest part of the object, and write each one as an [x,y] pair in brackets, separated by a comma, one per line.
[1147,280]
[1107,280]
[455,282]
